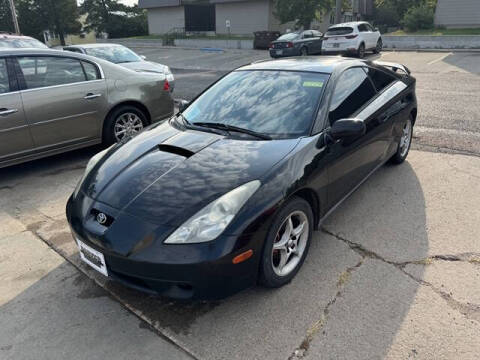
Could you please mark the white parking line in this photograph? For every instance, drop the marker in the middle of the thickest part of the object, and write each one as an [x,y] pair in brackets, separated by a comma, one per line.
[439,59]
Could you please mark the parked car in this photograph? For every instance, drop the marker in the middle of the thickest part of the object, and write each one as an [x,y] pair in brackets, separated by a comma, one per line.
[354,38]
[12,41]
[297,43]
[55,101]
[229,191]
[123,56]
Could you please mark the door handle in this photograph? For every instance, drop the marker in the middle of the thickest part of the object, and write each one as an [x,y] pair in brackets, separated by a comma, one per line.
[91,96]
[6,112]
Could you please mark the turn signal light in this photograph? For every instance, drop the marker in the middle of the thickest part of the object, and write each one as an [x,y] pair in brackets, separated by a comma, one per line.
[289,45]
[351,36]
[243,256]
[166,86]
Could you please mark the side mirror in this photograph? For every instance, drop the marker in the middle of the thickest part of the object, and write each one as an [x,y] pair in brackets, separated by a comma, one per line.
[143,57]
[182,105]
[376,29]
[347,129]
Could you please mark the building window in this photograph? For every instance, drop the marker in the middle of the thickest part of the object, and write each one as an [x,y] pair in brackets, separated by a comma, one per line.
[199,18]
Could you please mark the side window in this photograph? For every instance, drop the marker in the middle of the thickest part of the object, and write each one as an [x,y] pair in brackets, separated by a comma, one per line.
[4,84]
[362,28]
[75,50]
[307,34]
[91,71]
[380,79]
[370,28]
[353,90]
[50,71]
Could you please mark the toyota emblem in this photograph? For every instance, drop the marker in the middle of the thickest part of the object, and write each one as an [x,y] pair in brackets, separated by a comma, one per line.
[101,218]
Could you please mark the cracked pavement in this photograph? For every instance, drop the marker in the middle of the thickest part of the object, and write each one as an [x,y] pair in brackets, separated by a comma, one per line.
[393,273]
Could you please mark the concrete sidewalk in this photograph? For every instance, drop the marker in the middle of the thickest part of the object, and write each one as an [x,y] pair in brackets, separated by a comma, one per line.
[394,273]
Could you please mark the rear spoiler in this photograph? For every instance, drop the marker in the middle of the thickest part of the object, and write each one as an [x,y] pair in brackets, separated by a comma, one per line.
[394,66]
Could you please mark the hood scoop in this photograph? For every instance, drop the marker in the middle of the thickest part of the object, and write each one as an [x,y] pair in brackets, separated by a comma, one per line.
[172,149]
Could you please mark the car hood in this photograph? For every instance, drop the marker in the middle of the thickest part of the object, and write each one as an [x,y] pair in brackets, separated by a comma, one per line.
[165,175]
[144,66]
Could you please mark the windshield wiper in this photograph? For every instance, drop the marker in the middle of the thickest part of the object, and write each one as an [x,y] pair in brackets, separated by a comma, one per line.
[233,128]
[188,125]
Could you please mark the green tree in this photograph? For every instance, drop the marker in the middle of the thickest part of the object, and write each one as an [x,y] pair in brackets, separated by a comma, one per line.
[61,16]
[6,23]
[303,12]
[30,23]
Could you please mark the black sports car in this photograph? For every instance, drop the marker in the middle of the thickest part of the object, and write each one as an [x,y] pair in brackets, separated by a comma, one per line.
[228,192]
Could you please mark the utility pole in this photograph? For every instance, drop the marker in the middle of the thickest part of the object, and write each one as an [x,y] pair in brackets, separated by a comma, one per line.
[338,12]
[14,17]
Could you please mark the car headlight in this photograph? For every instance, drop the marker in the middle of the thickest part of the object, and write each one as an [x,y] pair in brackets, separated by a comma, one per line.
[210,222]
[91,163]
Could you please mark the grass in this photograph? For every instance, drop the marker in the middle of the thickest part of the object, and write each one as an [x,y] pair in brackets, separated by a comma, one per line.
[438,31]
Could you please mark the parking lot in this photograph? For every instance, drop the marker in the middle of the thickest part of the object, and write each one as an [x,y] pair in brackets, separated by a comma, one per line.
[393,273]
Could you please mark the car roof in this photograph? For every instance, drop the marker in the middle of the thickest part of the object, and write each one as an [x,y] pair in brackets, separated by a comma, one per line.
[348,24]
[90,46]
[13,36]
[320,64]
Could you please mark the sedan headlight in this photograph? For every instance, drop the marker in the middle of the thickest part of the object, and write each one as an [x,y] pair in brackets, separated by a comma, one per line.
[210,222]
[91,163]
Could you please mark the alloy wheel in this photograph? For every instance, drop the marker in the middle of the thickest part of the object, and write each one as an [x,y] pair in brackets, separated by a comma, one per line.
[127,125]
[290,243]
[406,138]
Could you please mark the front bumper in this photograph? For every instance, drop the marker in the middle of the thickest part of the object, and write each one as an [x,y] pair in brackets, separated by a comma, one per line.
[192,271]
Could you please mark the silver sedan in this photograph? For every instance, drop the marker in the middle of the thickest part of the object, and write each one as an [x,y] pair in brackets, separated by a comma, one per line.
[55,101]
[123,56]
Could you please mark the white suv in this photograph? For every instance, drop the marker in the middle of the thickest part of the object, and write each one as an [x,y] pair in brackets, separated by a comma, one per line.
[352,38]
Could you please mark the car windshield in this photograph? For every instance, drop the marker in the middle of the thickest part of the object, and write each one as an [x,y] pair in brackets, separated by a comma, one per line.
[289,36]
[115,54]
[339,31]
[280,104]
[22,43]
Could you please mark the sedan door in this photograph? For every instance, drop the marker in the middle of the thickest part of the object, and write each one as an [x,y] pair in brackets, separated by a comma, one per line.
[15,137]
[64,99]
[351,161]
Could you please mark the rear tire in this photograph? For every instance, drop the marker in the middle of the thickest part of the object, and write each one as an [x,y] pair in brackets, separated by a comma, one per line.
[126,116]
[405,143]
[361,51]
[304,51]
[292,241]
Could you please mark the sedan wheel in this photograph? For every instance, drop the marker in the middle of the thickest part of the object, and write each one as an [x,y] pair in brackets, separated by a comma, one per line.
[361,51]
[405,143]
[287,243]
[127,125]
[379,46]
[290,243]
[303,51]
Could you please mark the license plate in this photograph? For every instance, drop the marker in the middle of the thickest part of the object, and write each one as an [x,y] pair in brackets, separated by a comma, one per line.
[92,257]
[279,52]
[336,45]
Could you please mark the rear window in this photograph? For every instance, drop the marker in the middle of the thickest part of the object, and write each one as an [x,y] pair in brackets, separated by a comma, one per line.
[339,31]
[289,36]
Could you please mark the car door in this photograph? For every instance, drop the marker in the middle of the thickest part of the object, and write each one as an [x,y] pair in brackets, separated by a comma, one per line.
[15,137]
[373,34]
[350,161]
[64,99]
[364,35]
[317,42]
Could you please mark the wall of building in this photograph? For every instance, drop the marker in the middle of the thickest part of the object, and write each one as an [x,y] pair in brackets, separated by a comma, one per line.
[458,13]
[163,19]
[245,17]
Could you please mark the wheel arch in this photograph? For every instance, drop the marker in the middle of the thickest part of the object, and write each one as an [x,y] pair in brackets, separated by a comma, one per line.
[413,113]
[134,103]
[310,196]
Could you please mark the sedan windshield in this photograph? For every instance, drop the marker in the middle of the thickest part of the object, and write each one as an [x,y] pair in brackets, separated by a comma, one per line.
[115,54]
[279,104]
[289,36]
[22,43]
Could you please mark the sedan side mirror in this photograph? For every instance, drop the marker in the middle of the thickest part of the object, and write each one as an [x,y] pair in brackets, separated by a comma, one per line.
[143,57]
[347,129]
[182,105]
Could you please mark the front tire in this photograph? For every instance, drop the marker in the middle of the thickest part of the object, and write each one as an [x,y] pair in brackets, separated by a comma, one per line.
[379,47]
[405,143]
[287,243]
[361,51]
[124,122]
